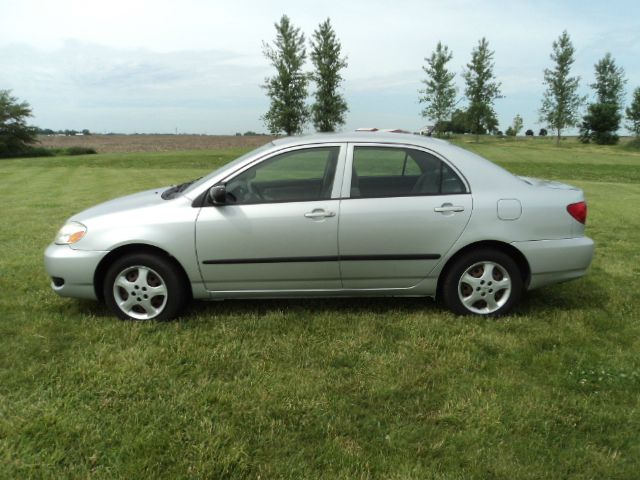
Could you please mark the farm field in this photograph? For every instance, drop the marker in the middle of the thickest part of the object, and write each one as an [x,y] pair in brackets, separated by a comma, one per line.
[348,388]
[152,143]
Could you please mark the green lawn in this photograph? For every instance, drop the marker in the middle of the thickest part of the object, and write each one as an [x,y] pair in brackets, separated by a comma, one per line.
[299,389]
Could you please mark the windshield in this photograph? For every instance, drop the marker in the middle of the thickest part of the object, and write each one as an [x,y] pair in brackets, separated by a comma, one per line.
[230,165]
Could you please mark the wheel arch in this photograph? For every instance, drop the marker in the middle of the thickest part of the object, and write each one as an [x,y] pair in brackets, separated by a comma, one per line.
[513,252]
[113,255]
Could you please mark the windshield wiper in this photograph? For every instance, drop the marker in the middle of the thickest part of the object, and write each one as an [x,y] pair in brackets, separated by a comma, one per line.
[171,192]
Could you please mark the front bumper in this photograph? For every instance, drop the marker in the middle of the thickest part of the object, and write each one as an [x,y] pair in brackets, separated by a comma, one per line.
[72,270]
[554,261]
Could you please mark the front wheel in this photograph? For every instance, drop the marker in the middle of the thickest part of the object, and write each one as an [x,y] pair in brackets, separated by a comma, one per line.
[144,287]
[485,282]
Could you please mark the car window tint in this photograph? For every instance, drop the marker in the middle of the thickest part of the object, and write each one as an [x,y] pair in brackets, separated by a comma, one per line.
[300,175]
[372,162]
[390,172]
[451,183]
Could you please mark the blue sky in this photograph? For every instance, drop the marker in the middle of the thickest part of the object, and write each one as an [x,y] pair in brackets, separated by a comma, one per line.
[197,65]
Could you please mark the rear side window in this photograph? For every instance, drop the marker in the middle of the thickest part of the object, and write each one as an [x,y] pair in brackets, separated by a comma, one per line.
[396,172]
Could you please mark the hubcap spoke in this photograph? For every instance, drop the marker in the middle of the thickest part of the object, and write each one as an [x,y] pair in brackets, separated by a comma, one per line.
[492,305]
[159,290]
[471,299]
[487,274]
[143,273]
[470,280]
[122,282]
[150,309]
[128,304]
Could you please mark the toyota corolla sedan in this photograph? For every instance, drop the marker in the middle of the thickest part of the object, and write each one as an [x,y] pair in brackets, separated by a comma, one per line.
[361,214]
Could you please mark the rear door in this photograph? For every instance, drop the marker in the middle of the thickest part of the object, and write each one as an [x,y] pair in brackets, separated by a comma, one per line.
[402,210]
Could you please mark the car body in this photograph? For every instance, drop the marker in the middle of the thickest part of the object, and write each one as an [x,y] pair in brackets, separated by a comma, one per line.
[356,214]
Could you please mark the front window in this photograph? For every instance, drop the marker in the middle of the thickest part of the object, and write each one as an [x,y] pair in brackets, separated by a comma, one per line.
[295,176]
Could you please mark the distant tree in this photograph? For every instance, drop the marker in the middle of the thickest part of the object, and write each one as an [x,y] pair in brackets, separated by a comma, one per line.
[603,117]
[517,124]
[15,135]
[543,132]
[510,132]
[633,113]
[439,93]
[330,106]
[288,88]
[529,133]
[561,102]
[600,123]
[86,132]
[482,89]
[458,123]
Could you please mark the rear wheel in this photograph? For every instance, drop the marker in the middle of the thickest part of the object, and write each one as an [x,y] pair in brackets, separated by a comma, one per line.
[484,282]
[145,287]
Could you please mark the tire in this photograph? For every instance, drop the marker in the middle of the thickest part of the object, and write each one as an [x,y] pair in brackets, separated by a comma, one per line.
[144,286]
[484,282]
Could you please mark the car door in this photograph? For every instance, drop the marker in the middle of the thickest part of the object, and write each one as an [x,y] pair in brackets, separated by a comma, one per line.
[278,229]
[402,210]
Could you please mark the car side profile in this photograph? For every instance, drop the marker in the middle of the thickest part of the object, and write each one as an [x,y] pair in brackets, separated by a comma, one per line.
[359,214]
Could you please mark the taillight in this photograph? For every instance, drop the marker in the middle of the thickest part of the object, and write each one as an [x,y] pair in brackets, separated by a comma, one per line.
[578,211]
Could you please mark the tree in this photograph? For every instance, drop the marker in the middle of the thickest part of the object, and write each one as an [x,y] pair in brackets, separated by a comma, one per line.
[561,102]
[288,88]
[458,123]
[482,89]
[15,135]
[517,124]
[330,106]
[603,117]
[529,133]
[633,113]
[543,132]
[600,124]
[510,132]
[439,93]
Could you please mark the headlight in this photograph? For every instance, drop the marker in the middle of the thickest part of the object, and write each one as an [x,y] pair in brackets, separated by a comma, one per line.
[70,233]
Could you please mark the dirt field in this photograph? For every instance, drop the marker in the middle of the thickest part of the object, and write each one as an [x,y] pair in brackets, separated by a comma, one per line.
[152,143]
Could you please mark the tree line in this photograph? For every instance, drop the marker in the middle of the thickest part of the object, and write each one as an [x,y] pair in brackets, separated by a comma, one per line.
[288,91]
[561,102]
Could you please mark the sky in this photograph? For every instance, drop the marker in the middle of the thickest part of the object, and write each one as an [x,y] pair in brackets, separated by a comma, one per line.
[196,66]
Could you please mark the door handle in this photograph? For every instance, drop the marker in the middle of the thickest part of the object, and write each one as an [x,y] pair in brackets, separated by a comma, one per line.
[320,213]
[447,207]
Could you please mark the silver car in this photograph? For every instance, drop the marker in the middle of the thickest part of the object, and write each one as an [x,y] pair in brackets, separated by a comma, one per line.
[361,214]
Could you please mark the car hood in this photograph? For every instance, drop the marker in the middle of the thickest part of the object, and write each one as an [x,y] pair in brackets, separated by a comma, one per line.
[122,204]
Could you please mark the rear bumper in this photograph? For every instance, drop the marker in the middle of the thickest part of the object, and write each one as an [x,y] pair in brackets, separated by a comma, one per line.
[554,261]
[72,271]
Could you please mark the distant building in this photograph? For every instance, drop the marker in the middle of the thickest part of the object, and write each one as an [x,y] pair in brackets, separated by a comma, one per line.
[427,130]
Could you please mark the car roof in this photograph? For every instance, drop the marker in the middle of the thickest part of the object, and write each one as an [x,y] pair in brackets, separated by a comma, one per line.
[381,137]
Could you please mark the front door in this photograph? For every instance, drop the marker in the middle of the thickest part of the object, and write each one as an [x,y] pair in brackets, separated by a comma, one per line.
[278,230]
[404,211]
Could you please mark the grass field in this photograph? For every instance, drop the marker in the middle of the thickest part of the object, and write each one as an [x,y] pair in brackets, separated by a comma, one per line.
[298,389]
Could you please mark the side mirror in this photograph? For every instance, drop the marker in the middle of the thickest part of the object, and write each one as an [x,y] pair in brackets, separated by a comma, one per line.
[218,195]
